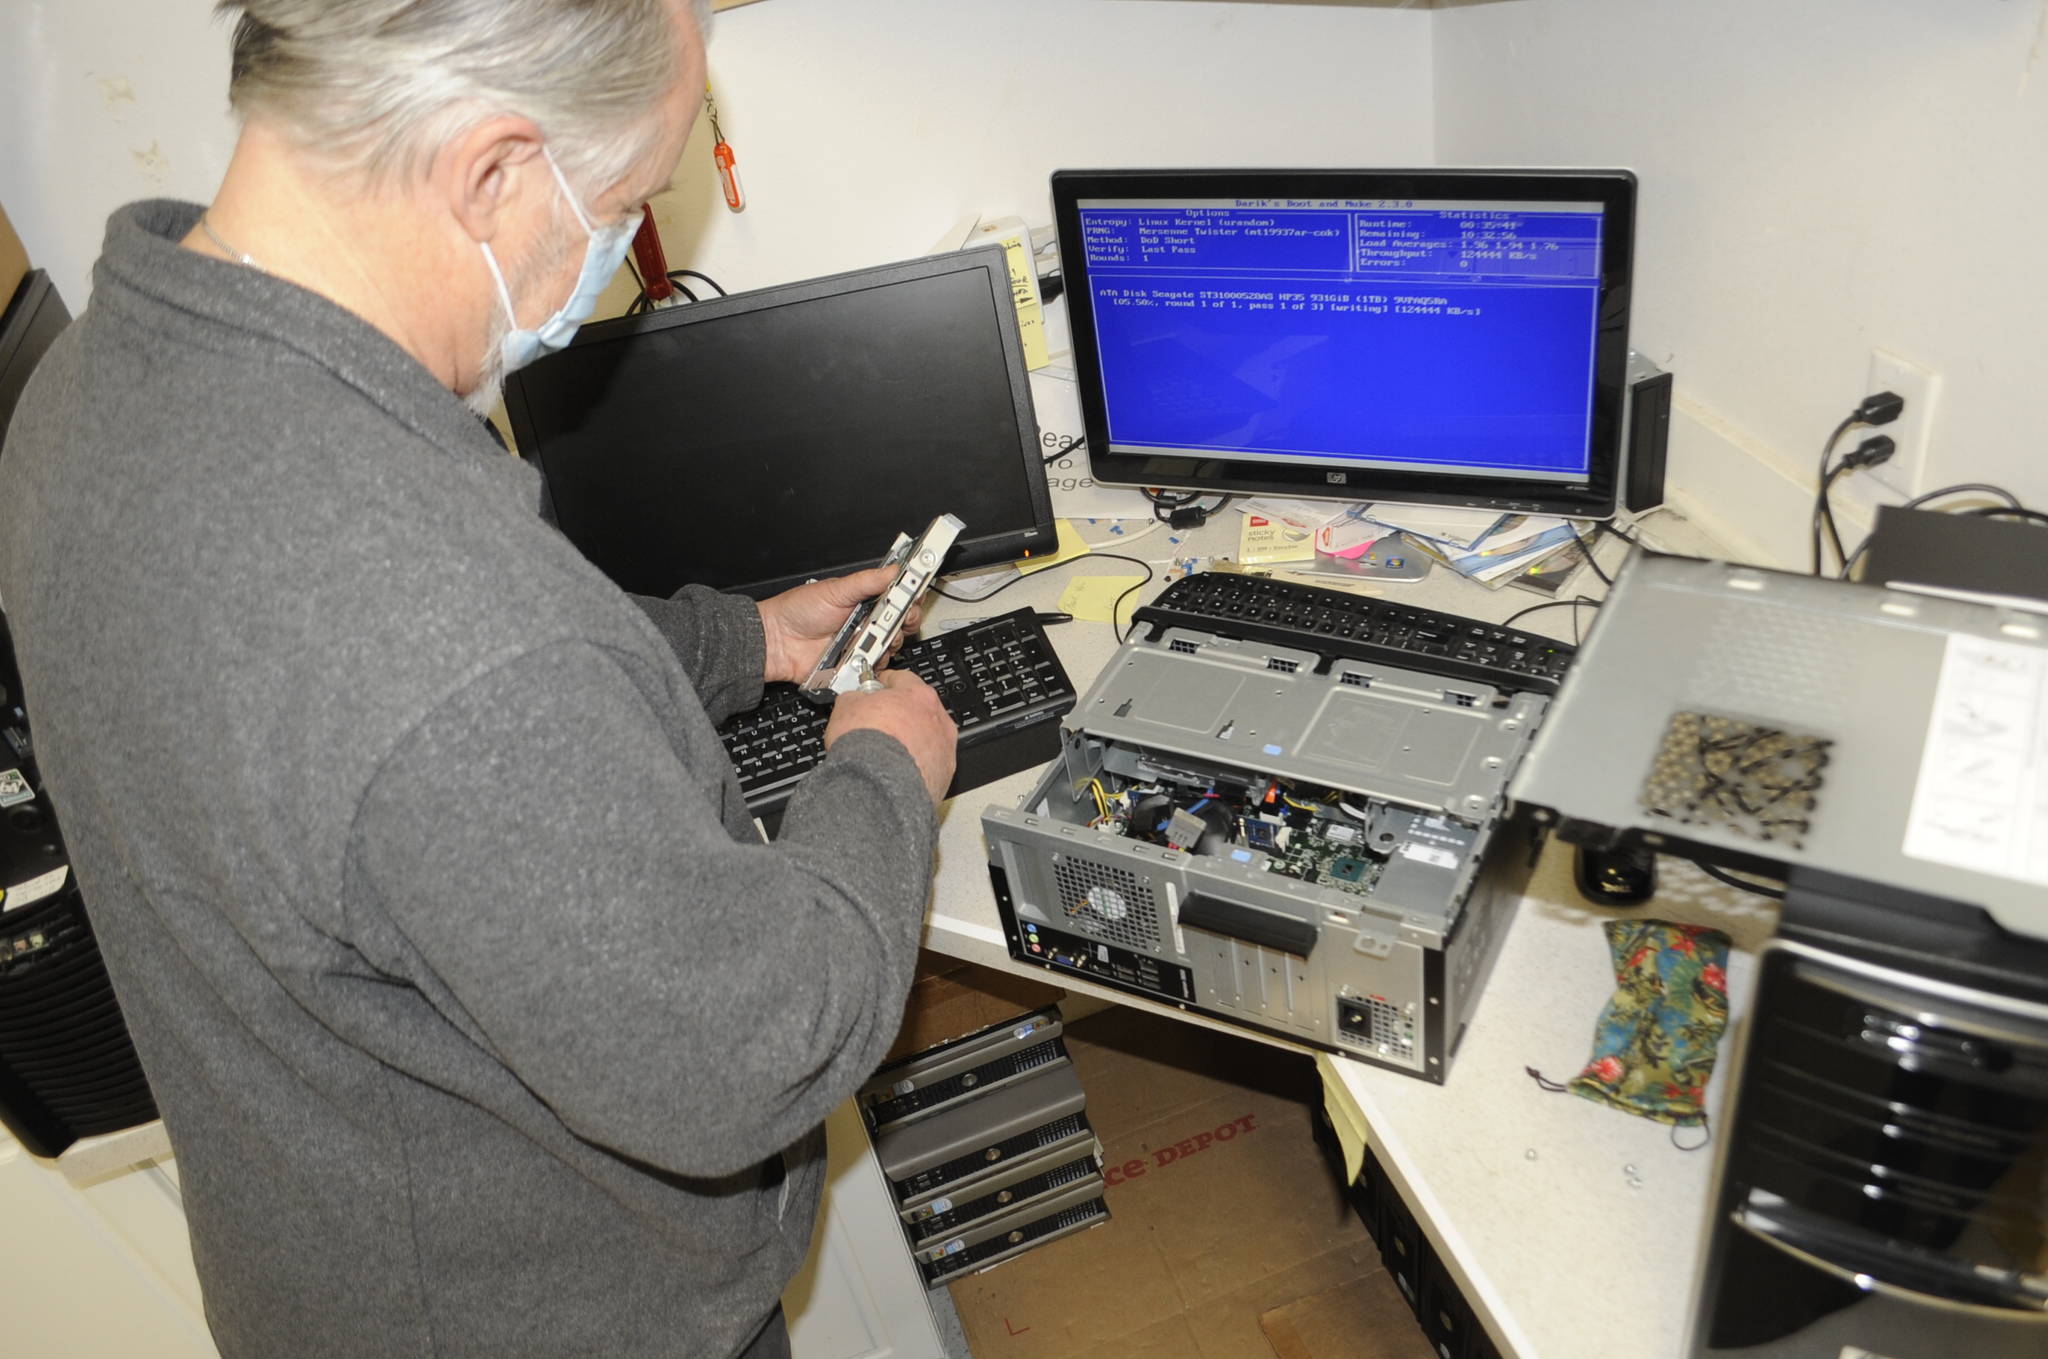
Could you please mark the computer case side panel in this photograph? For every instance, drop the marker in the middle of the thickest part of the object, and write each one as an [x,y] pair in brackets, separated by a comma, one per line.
[1482,928]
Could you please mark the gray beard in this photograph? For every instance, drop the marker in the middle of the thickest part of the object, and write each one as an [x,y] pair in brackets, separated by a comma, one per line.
[483,398]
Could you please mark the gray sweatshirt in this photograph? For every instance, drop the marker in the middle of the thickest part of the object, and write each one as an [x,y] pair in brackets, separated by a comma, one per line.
[481,1020]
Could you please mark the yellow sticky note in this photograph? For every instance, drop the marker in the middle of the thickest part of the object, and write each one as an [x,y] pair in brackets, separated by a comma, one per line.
[1068,547]
[1260,540]
[1345,1118]
[1090,598]
[1011,234]
[1030,316]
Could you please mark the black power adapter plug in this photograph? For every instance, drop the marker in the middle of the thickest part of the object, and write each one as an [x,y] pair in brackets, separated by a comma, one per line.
[1872,452]
[1881,409]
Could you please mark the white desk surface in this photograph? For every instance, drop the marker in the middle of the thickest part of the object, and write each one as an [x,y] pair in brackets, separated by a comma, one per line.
[1526,1195]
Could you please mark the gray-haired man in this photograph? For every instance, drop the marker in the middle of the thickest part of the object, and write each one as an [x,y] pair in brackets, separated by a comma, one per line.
[481,1021]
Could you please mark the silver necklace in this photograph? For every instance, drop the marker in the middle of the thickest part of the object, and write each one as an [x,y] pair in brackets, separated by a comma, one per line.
[226,249]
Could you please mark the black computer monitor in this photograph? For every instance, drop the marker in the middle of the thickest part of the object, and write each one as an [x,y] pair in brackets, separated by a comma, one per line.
[757,441]
[1448,337]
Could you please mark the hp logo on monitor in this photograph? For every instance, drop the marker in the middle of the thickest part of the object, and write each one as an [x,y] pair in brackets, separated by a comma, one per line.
[1337,478]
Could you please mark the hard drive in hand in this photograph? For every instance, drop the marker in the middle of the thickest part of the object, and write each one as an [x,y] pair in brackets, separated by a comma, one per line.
[857,649]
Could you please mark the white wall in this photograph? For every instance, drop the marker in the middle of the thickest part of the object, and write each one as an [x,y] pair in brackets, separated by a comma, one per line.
[864,128]
[103,102]
[1818,179]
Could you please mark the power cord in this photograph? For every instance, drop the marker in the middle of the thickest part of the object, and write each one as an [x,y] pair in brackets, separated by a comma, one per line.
[643,304]
[1177,509]
[2009,512]
[1821,483]
[1115,607]
[705,279]
[1872,452]
[1556,604]
[1879,409]
[1774,893]
[1065,448]
[1587,545]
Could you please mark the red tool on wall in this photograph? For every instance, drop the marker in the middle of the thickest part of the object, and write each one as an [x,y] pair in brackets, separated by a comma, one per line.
[722,154]
[655,284]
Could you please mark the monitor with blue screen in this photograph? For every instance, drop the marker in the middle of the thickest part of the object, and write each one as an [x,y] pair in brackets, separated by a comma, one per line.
[1451,337]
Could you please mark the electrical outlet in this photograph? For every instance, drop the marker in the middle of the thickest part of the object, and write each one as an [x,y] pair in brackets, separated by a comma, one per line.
[1906,472]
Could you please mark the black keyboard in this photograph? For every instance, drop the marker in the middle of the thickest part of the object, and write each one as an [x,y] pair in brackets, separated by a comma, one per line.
[999,679]
[1352,627]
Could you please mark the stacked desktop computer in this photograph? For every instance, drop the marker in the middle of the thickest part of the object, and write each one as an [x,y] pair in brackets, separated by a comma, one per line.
[986,1146]
[1881,1165]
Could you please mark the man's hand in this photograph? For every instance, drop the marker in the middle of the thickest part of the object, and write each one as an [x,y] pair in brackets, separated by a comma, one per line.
[906,708]
[799,622]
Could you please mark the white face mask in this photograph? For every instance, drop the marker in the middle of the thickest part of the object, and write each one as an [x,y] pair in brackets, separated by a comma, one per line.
[601,258]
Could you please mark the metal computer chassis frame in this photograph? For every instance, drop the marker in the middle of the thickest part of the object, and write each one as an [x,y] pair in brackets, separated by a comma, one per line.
[1392,980]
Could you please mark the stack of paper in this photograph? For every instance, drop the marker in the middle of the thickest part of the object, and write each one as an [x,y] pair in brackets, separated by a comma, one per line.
[1548,575]
[1427,523]
[1485,545]
[1304,515]
[1481,544]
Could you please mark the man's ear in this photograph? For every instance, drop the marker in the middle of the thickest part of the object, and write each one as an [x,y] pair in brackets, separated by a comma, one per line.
[486,170]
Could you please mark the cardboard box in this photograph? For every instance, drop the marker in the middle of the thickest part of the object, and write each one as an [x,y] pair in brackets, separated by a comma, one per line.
[1230,1236]
[13,260]
[1372,1322]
